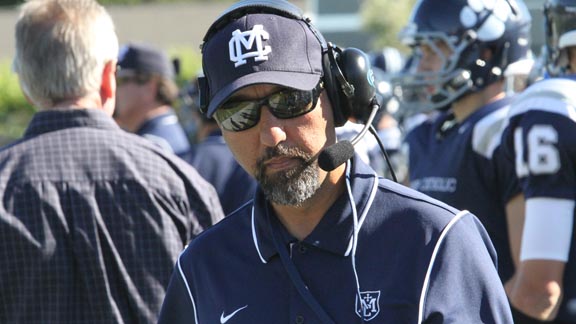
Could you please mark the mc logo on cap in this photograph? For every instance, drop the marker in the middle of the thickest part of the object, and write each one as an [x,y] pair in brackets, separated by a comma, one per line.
[241,41]
[260,48]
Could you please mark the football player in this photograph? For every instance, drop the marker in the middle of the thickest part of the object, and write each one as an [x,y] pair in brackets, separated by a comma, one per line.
[541,140]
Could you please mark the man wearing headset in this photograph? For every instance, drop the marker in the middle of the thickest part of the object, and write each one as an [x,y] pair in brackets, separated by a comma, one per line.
[540,140]
[316,246]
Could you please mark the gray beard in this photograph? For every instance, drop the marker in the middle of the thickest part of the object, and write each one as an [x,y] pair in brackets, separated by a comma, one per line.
[290,187]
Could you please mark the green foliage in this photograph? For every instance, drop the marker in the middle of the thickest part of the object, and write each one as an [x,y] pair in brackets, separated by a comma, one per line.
[190,63]
[15,111]
[115,2]
[384,19]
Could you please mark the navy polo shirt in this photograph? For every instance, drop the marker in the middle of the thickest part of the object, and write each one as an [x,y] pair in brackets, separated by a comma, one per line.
[416,259]
[462,165]
[165,131]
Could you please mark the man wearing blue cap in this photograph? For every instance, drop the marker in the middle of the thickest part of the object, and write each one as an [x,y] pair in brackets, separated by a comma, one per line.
[320,242]
[146,92]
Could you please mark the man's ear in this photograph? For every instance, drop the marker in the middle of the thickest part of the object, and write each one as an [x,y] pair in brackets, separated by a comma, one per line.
[108,87]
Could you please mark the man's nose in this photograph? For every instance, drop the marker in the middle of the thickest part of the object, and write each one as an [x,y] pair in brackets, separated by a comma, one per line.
[271,128]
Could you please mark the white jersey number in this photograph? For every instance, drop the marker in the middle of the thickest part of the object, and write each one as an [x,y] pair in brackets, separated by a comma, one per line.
[543,157]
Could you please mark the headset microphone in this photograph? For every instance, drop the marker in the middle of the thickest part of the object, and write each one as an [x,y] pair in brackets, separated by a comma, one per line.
[336,154]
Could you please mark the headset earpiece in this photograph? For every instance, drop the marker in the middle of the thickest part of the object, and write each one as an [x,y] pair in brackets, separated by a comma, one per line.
[357,70]
[203,94]
[349,81]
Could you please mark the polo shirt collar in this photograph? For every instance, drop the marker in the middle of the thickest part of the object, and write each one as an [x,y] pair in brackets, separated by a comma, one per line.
[335,230]
[58,119]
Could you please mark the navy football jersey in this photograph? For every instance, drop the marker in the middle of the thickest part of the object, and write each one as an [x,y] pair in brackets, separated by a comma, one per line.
[165,131]
[540,138]
[461,165]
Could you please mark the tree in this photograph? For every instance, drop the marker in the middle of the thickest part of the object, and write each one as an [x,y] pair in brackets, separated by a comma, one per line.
[384,19]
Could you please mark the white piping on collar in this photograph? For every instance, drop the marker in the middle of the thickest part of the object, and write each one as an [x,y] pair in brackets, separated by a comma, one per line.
[351,199]
[256,238]
[352,244]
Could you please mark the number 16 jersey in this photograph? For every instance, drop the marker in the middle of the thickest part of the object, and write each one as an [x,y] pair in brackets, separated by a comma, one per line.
[540,138]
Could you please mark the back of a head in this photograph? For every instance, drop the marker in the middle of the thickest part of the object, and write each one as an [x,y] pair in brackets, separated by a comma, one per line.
[62,47]
[140,58]
[145,61]
[470,29]
[560,32]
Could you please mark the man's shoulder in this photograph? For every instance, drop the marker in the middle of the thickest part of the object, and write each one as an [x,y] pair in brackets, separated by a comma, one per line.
[87,151]
[554,96]
[235,230]
[400,200]
[487,130]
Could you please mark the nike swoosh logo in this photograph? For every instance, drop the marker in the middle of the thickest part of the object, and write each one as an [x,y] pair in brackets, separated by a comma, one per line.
[224,319]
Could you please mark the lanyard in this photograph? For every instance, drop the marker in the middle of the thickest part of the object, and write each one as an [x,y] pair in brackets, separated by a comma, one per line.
[296,278]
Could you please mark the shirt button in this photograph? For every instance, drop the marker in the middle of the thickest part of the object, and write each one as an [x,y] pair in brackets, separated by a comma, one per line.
[302,248]
[299,319]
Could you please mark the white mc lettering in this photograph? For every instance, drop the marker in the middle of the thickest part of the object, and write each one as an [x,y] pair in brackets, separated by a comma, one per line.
[245,40]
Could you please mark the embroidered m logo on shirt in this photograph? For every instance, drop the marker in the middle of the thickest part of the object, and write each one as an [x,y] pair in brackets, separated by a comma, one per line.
[242,42]
[368,305]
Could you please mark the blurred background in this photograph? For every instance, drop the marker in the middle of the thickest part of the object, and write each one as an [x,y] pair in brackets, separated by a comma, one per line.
[179,25]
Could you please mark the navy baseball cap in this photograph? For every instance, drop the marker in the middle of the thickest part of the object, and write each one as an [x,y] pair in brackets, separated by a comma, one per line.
[142,58]
[260,48]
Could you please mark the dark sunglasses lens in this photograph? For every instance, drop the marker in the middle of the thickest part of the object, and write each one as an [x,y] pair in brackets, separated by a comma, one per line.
[290,103]
[238,116]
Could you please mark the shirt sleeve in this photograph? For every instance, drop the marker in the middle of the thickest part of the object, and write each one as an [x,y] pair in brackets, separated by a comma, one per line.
[464,286]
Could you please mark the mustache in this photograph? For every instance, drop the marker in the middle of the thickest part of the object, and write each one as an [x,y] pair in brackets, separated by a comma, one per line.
[284,151]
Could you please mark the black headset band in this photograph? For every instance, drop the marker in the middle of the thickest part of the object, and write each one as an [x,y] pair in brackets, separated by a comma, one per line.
[275,7]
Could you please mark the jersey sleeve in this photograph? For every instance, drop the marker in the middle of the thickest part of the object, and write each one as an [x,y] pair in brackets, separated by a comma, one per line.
[494,169]
[464,286]
[545,146]
[542,137]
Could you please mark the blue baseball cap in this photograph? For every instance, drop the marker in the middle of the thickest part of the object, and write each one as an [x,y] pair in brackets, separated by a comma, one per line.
[260,48]
[142,58]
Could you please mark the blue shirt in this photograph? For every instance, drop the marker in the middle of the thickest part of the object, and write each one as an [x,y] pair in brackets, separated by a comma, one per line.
[545,120]
[462,165]
[165,131]
[215,163]
[415,256]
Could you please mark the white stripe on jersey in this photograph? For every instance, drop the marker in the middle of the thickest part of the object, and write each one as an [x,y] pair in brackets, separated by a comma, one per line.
[556,96]
[487,132]
[547,229]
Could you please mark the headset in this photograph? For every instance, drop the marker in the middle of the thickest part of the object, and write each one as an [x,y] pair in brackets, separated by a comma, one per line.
[348,77]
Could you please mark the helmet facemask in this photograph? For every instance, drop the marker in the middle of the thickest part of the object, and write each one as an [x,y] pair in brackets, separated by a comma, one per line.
[423,89]
[560,30]
[483,37]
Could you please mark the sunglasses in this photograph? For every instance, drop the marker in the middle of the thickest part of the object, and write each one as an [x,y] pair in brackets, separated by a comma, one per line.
[236,116]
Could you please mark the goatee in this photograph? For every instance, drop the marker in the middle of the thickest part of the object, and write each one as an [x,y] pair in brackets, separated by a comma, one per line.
[289,187]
